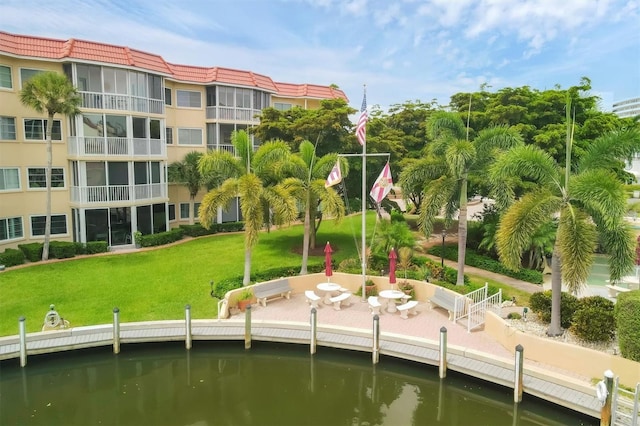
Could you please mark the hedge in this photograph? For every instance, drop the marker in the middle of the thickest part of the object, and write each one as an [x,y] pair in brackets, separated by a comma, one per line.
[474,259]
[161,238]
[61,250]
[11,257]
[32,251]
[197,230]
[628,324]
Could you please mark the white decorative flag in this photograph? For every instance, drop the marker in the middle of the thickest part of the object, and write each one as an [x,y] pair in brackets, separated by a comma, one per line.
[382,185]
[335,176]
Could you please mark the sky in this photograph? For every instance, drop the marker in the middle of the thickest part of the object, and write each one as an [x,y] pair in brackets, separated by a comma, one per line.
[401,50]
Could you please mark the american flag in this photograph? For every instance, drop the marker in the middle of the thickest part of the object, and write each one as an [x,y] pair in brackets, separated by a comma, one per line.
[335,176]
[361,127]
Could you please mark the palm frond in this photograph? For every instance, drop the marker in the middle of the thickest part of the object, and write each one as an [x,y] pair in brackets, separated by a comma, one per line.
[222,163]
[601,194]
[460,156]
[215,198]
[576,240]
[609,150]
[442,123]
[618,241]
[521,221]
[436,196]
[250,190]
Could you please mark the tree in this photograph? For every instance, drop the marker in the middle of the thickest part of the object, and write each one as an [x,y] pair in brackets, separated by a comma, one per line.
[187,173]
[50,93]
[454,158]
[306,183]
[251,177]
[588,200]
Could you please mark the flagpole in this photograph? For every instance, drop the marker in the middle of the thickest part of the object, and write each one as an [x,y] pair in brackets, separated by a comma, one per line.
[364,211]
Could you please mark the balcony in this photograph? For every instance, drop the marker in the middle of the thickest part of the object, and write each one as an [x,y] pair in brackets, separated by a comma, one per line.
[95,100]
[117,194]
[116,147]
[233,114]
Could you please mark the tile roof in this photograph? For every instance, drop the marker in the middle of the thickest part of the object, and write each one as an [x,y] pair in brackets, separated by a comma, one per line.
[53,49]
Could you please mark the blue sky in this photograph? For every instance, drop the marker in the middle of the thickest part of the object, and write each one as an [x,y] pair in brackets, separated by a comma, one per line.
[402,50]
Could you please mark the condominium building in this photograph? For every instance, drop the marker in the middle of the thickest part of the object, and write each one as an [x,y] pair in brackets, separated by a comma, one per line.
[627,108]
[139,114]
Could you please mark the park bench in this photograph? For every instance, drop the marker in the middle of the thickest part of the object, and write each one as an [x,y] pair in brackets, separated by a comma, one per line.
[272,290]
[337,300]
[374,305]
[408,308]
[312,298]
[444,299]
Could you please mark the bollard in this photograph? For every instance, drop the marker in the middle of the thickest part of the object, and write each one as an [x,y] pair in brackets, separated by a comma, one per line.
[604,393]
[517,386]
[22,326]
[247,328]
[376,339]
[116,330]
[187,326]
[314,330]
[442,369]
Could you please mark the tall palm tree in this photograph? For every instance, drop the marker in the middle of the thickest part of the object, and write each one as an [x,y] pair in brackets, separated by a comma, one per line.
[187,173]
[50,93]
[306,184]
[588,200]
[453,158]
[248,176]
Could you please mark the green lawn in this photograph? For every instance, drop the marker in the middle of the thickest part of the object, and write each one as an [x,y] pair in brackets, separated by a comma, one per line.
[155,284]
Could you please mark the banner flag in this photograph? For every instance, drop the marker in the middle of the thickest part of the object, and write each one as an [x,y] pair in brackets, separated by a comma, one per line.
[382,185]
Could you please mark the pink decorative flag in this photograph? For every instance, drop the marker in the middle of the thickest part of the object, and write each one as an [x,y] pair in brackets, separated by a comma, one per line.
[335,176]
[382,185]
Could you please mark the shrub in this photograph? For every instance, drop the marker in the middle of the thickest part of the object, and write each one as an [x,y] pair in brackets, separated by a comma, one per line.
[32,251]
[540,303]
[514,315]
[198,230]
[221,288]
[11,257]
[161,238]
[62,250]
[594,321]
[93,247]
[229,227]
[628,324]
[80,248]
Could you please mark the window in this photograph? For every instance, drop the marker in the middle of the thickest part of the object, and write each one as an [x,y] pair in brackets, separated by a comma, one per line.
[188,99]
[167,96]
[35,129]
[189,136]
[281,106]
[225,96]
[58,224]
[115,80]
[243,98]
[184,210]
[172,212]
[27,74]
[9,179]
[7,128]
[155,86]
[5,77]
[89,78]
[169,135]
[11,228]
[196,210]
[38,179]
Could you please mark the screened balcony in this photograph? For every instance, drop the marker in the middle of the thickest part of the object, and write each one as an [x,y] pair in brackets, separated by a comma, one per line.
[92,146]
[105,194]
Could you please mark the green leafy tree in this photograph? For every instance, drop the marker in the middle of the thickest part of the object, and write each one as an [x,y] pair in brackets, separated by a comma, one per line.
[187,173]
[306,183]
[50,93]
[588,200]
[455,158]
[251,177]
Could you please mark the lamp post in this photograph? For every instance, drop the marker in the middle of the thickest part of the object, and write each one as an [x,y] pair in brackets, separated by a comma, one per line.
[444,234]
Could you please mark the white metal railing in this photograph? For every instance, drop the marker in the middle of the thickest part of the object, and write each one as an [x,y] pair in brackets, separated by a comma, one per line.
[463,302]
[625,405]
[97,100]
[232,113]
[117,193]
[118,147]
[477,311]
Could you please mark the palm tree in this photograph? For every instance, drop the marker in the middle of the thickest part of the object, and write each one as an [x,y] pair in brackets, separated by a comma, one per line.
[588,201]
[452,158]
[306,184]
[248,176]
[50,93]
[187,173]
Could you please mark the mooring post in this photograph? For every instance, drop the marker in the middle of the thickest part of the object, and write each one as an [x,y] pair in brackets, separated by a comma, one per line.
[519,373]
[376,339]
[22,327]
[442,369]
[314,330]
[187,326]
[604,393]
[247,328]
[116,330]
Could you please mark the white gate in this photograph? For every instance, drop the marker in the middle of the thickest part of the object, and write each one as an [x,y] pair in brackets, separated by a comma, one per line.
[625,405]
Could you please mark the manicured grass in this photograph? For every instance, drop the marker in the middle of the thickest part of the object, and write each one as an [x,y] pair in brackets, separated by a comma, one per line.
[156,284]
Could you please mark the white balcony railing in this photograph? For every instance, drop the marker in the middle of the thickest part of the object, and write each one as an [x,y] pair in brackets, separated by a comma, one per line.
[232,114]
[116,147]
[96,100]
[117,193]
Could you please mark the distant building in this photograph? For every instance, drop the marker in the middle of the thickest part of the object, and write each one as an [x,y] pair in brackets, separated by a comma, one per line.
[139,114]
[627,108]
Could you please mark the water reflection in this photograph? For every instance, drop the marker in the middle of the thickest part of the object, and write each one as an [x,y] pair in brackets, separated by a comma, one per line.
[222,384]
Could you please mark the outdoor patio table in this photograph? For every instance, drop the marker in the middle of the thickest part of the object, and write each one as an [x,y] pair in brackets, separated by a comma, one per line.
[391,296]
[328,288]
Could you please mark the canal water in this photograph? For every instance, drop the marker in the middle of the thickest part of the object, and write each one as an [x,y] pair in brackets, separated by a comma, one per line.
[220,383]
